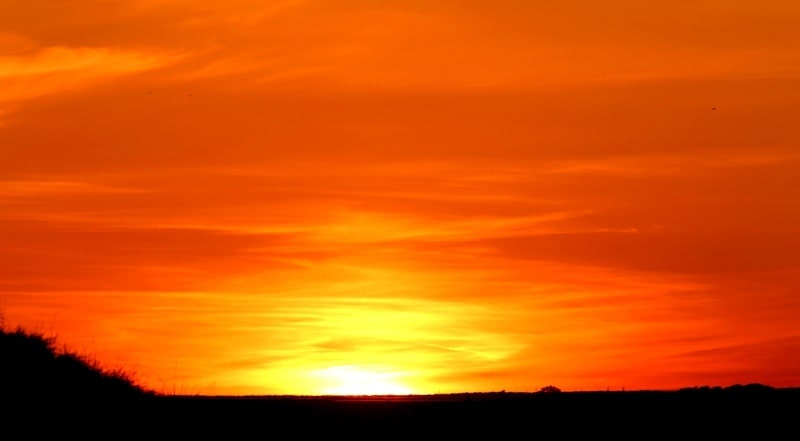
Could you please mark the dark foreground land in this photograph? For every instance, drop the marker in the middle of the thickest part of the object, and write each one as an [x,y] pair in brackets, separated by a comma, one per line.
[51,394]
[758,414]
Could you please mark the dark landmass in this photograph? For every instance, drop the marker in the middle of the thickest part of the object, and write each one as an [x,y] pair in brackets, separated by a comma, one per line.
[46,392]
[33,368]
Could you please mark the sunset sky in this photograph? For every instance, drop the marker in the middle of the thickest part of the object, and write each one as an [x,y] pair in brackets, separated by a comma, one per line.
[421,196]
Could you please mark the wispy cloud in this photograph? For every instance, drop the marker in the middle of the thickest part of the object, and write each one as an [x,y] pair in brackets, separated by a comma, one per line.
[666,165]
[61,68]
[48,188]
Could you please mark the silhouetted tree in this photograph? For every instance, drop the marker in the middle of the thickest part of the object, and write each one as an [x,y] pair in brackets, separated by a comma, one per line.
[550,389]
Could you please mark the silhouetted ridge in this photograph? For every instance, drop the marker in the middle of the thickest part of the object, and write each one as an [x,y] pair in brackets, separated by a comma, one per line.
[31,368]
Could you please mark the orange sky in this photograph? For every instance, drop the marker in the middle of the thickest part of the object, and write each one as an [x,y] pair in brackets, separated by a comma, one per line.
[313,197]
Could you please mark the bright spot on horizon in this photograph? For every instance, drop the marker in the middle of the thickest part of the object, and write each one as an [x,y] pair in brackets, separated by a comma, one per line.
[356,380]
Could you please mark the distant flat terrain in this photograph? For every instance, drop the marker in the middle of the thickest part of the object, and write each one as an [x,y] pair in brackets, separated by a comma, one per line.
[711,412]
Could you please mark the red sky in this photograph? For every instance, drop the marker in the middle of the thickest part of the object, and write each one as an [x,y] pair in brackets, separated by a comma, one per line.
[312,197]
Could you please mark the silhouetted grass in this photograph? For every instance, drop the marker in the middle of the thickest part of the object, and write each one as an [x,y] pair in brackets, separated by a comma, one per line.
[32,368]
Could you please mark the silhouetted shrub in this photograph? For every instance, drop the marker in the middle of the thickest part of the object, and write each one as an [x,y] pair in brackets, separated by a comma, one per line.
[550,389]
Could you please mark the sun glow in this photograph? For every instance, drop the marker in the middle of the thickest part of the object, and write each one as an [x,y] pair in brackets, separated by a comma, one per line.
[356,380]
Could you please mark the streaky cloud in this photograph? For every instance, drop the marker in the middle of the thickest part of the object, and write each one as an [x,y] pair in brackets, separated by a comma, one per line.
[57,69]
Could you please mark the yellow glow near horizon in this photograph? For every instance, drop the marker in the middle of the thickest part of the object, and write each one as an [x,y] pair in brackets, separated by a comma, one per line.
[357,380]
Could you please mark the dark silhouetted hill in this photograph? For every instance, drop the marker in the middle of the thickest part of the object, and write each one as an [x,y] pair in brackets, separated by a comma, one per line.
[32,369]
